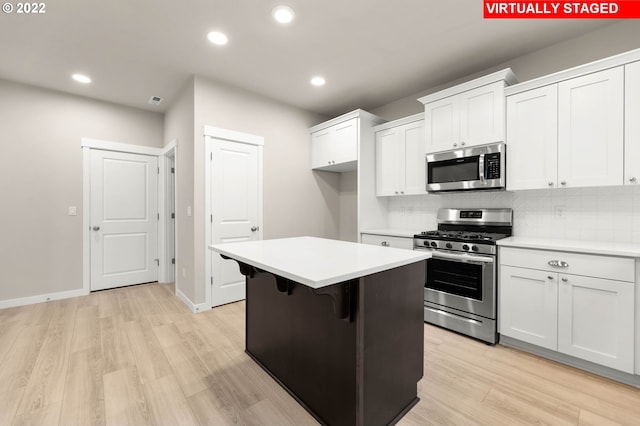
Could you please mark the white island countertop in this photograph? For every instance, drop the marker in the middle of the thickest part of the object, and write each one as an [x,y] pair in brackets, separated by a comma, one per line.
[318,262]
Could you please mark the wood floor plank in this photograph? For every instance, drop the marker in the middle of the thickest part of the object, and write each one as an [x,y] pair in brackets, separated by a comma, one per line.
[86,334]
[150,358]
[48,377]
[124,400]
[116,350]
[167,403]
[17,366]
[83,400]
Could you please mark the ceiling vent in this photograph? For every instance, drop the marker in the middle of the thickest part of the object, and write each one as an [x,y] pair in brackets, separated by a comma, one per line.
[155,100]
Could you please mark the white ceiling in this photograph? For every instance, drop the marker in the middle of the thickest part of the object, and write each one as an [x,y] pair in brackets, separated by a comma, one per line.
[370,51]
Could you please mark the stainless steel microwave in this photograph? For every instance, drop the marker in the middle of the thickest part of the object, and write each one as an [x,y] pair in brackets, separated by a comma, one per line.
[467,169]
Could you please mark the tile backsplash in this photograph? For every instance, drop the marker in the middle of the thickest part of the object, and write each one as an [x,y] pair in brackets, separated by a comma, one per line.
[589,214]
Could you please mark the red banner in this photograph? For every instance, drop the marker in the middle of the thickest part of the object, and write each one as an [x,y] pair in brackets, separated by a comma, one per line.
[623,9]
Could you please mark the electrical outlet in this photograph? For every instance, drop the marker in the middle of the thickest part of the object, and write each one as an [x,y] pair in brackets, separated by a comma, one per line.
[560,211]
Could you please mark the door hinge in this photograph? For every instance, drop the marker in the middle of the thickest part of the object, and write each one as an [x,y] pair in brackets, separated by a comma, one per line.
[173,260]
[157,262]
[211,156]
[158,170]
[158,216]
[173,215]
[211,216]
[211,280]
[173,170]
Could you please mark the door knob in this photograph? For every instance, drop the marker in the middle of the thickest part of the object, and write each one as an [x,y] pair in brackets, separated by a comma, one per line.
[254,228]
[96,228]
[632,179]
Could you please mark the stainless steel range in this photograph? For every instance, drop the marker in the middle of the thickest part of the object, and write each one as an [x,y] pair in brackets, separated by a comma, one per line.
[461,283]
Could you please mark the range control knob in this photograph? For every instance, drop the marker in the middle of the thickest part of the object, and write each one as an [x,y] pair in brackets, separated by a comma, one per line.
[434,244]
[465,247]
[474,248]
[448,245]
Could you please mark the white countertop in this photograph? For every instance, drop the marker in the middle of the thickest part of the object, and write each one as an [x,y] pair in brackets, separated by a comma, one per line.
[318,262]
[391,232]
[588,247]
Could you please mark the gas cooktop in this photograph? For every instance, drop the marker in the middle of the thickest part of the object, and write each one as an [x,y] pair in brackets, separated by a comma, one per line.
[464,236]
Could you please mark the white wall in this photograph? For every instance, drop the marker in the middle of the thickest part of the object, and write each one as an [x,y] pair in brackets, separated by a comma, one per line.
[179,126]
[41,176]
[607,41]
[296,200]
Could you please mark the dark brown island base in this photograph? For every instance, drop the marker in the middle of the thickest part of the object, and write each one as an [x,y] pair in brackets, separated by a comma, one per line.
[351,352]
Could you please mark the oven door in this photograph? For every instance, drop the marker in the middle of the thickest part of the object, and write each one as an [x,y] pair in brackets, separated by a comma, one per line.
[462,281]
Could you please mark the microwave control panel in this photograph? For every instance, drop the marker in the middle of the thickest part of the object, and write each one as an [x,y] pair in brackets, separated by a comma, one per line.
[492,166]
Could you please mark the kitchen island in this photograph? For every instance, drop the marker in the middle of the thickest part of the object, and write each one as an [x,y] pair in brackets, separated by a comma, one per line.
[339,325]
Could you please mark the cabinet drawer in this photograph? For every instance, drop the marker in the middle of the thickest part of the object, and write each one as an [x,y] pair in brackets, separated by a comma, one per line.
[388,241]
[608,267]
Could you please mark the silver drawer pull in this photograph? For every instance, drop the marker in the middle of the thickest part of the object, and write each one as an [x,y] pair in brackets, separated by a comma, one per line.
[385,244]
[558,263]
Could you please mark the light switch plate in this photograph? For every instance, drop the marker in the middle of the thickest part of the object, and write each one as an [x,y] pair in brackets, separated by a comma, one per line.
[73,211]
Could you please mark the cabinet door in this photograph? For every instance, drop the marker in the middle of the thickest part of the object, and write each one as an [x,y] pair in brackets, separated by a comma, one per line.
[632,124]
[320,148]
[442,124]
[596,320]
[528,301]
[482,115]
[344,143]
[414,158]
[532,139]
[335,145]
[389,159]
[590,129]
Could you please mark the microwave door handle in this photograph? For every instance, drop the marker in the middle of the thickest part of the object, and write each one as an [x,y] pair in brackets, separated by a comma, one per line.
[481,167]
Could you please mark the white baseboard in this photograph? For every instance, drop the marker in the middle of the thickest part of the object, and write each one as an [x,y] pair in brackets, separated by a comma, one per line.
[30,300]
[194,308]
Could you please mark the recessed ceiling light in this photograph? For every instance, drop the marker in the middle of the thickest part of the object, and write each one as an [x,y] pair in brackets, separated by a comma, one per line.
[81,78]
[218,38]
[318,81]
[283,14]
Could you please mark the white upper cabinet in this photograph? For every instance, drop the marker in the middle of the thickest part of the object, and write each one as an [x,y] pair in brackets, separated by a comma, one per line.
[576,128]
[591,129]
[335,143]
[632,124]
[400,157]
[469,114]
[532,139]
[335,147]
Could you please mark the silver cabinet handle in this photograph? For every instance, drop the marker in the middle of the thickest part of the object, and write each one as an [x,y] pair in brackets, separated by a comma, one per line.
[563,183]
[254,228]
[550,183]
[558,263]
[462,144]
[564,280]
[632,179]
[396,192]
[384,244]
[549,277]
[96,228]
[455,145]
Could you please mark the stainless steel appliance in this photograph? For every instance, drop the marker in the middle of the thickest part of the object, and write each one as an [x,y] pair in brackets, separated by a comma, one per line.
[476,168]
[460,292]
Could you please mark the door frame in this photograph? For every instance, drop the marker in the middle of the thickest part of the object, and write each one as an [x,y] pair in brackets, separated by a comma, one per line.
[166,207]
[87,144]
[237,137]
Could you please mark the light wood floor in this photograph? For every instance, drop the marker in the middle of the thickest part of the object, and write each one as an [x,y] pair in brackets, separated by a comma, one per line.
[138,356]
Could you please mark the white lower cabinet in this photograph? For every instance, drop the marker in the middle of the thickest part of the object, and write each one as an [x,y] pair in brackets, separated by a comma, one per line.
[595,320]
[529,306]
[388,241]
[587,317]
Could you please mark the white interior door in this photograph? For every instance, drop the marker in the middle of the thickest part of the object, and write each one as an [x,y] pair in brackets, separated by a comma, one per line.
[124,219]
[235,211]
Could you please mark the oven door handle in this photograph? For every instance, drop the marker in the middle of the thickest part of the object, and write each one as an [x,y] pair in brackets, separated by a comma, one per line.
[462,257]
